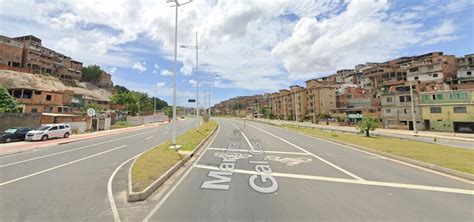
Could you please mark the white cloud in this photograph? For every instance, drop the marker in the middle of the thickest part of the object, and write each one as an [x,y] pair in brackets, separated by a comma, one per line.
[166,72]
[160,84]
[246,42]
[112,70]
[139,66]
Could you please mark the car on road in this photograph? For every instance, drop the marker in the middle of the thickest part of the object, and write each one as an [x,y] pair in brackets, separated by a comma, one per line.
[14,134]
[49,131]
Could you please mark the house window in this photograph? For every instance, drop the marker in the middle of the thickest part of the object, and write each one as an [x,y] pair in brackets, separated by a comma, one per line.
[435,109]
[34,110]
[387,110]
[416,77]
[435,75]
[48,97]
[426,98]
[460,109]
[389,99]
[439,96]
[468,73]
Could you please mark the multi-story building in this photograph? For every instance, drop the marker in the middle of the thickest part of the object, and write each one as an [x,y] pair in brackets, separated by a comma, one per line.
[320,99]
[26,54]
[37,101]
[432,67]
[356,103]
[11,52]
[465,72]
[448,111]
[396,108]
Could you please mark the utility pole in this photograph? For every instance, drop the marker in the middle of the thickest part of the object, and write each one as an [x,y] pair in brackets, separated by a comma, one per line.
[154,103]
[314,106]
[415,130]
[197,75]
[173,135]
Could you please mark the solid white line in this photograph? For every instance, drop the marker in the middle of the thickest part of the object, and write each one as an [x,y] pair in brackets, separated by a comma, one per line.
[350,181]
[59,166]
[109,189]
[71,150]
[157,207]
[264,151]
[311,154]
[148,137]
[386,158]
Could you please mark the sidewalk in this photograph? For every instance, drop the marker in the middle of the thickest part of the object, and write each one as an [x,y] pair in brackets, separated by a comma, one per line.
[458,136]
[16,147]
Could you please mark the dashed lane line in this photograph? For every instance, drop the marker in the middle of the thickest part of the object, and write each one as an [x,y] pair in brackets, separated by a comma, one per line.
[349,181]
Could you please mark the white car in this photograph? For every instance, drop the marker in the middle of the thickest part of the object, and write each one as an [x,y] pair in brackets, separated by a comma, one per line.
[49,131]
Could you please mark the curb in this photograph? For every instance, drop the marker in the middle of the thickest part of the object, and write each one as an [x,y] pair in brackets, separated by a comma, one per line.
[143,195]
[396,157]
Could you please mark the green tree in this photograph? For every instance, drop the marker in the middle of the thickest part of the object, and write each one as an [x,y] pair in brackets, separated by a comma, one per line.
[266,112]
[368,124]
[7,102]
[91,73]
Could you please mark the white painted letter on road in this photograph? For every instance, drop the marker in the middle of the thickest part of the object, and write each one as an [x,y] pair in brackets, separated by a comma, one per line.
[219,183]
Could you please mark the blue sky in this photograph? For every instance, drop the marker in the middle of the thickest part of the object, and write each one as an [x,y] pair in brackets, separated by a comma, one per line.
[253,46]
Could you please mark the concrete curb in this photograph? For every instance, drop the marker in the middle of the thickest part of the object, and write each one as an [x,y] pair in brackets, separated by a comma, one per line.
[396,157]
[143,195]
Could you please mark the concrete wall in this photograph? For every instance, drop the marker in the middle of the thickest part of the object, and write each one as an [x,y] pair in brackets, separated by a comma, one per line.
[78,127]
[140,120]
[7,120]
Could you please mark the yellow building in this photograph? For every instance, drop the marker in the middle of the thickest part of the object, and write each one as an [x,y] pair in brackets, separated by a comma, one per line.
[448,111]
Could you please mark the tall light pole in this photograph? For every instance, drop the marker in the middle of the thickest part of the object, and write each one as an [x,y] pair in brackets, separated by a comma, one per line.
[154,103]
[197,76]
[173,135]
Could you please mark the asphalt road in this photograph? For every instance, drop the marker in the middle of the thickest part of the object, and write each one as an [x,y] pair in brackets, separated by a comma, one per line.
[69,182]
[300,178]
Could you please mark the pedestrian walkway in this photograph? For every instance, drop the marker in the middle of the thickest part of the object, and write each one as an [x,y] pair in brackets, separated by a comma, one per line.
[386,132]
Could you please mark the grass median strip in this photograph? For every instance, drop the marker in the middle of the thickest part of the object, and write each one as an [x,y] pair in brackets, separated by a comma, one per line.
[446,156]
[155,162]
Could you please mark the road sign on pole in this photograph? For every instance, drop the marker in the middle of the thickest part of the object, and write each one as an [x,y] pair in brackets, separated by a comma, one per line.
[90,112]
[191,100]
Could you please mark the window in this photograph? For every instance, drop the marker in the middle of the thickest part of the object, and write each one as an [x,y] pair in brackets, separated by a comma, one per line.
[34,110]
[387,110]
[389,99]
[435,109]
[426,98]
[460,95]
[468,73]
[405,111]
[48,97]
[439,96]
[61,127]
[435,75]
[416,77]
[402,99]
[60,109]
[53,128]
[460,109]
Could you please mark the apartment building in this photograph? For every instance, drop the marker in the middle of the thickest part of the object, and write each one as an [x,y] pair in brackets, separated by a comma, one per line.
[465,71]
[27,54]
[355,103]
[448,111]
[320,99]
[396,108]
[37,101]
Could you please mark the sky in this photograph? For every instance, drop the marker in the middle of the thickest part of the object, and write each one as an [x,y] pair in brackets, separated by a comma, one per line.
[247,47]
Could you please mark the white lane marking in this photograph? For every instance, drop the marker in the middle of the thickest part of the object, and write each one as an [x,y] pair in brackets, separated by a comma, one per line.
[386,158]
[75,149]
[245,137]
[157,207]
[311,154]
[59,166]
[109,189]
[148,137]
[265,151]
[350,181]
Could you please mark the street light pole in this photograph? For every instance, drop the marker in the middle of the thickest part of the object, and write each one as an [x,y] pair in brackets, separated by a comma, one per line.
[197,75]
[173,135]
[154,103]
[415,130]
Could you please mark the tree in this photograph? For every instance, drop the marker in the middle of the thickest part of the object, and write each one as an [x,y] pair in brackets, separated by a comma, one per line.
[367,124]
[7,102]
[266,112]
[91,73]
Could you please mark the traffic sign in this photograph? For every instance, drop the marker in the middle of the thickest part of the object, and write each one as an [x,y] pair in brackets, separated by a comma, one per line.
[191,100]
[91,112]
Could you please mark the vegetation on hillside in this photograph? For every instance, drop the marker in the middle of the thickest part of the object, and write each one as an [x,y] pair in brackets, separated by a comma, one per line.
[7,102]
[91,73]
[136,102]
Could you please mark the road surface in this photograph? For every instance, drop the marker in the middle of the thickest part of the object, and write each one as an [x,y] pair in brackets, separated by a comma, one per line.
[69,182]
[300,178]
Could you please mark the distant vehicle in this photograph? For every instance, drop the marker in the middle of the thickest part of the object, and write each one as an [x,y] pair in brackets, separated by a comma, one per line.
[14,134]
[49,131]
[465,129]
[182,117]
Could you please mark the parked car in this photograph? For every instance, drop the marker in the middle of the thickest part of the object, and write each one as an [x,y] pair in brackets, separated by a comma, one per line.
[14,134]
[49,131]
